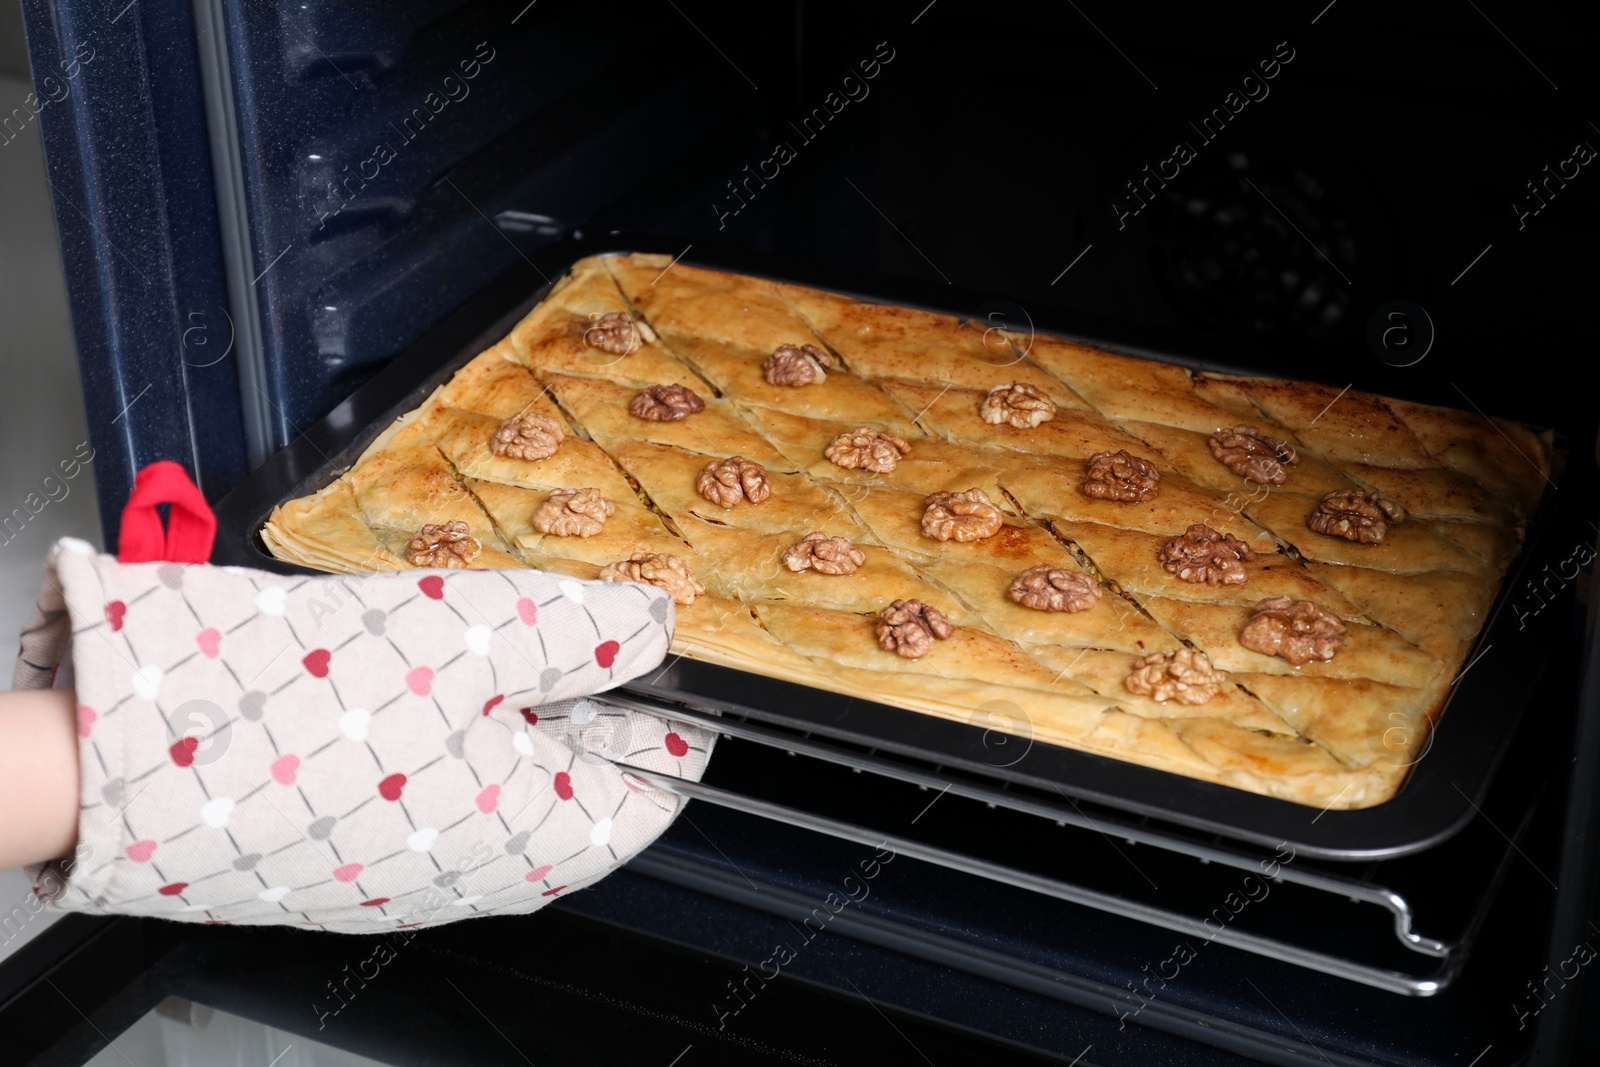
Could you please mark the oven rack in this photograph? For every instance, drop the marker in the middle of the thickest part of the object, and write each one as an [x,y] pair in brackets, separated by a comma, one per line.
[1371,908]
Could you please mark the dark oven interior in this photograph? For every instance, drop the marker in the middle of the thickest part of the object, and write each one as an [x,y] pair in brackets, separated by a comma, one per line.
[1388,198]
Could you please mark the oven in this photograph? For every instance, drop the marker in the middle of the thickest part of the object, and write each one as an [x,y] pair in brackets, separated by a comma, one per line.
[277,220]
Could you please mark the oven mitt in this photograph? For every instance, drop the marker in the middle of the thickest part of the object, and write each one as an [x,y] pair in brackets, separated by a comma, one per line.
[349,753]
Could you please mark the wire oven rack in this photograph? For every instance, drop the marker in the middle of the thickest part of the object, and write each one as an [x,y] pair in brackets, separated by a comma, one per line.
[1404,925]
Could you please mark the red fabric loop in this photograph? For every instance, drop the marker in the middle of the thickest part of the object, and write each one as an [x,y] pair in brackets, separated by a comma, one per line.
[191,526]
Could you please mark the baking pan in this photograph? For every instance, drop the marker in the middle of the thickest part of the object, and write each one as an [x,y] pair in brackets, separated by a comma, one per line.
[1445,786]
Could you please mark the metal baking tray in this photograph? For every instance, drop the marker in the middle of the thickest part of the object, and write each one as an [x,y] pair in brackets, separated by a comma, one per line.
[1445,787]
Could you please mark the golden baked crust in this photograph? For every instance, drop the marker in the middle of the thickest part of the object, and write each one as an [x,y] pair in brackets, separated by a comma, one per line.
[1343,425]
[601,408]
[552,337]
[952,414]
[1342,732]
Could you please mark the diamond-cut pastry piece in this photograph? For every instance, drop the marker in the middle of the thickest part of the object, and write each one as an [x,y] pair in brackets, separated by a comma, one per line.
[1409,548]
[895,517]
[955,415]
[1067,713]
[1190,452]
[1123,387]
[1344,427]
[601,408]
[631,527]
[738,372]
[1049,489]
[461,437]
[1286,767]
[1106,672]
[931,466]
[1133,560]
[1359,721]
[668,476]
[687,302]
[750,566]
[1367,652]
[982,598]
[1438,493]
[409,478]
[496,384]
[552,337]
[880,341]
[326,531]
[849,640]
[1438,611]
[1499,453]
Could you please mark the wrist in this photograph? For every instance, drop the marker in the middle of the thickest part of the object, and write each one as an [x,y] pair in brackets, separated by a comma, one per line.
[38,775]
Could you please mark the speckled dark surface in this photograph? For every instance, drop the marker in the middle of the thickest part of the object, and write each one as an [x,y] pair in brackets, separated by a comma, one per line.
[374,143]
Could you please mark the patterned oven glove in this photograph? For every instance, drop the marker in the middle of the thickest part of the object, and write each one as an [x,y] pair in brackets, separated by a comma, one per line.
[354,754]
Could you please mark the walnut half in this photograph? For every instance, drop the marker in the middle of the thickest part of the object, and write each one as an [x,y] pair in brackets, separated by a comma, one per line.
[617,332]
[1252,455]
[965,517]
[732,480]
[1356,516]
[796,365]
[1047,588]
[824,554]
[665,403]
[1297,630]
[909,627]
[448,545]
[1183,675]
[573,513]
[1018,404]
[1201,554]
[1120,475]
[527,436]
[867,449]
[657,569]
